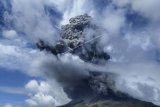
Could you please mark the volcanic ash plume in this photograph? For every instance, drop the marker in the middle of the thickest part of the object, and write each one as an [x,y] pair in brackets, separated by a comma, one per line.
[78,53]
[78,80]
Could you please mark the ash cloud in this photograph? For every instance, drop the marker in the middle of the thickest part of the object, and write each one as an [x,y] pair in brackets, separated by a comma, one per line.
[133,48]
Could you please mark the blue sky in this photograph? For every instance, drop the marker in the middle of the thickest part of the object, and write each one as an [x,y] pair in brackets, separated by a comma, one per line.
[11,79]
[12,84]
[132,39]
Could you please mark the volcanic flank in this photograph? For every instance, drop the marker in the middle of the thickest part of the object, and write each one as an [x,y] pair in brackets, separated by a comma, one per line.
[94,88]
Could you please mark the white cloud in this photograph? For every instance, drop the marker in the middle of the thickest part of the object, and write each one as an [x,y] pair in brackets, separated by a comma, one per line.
[10,34]
[16,57]
[138,79]
[121,3]
[13,90]
[148,8]
[34,86]
[61,5]
[41,100]
[31,19]
[75,8]
[138,39]
[138,67]
[113,20]
[8,105]
[45,94]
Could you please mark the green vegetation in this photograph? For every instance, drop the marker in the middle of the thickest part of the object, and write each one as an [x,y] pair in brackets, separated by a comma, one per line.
[117,104]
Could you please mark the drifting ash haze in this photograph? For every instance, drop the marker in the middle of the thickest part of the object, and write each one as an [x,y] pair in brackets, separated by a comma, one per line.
[114,50]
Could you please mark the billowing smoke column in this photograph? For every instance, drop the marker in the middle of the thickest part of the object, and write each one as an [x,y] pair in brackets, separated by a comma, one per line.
[79,82]
[79,79]
[73,40]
